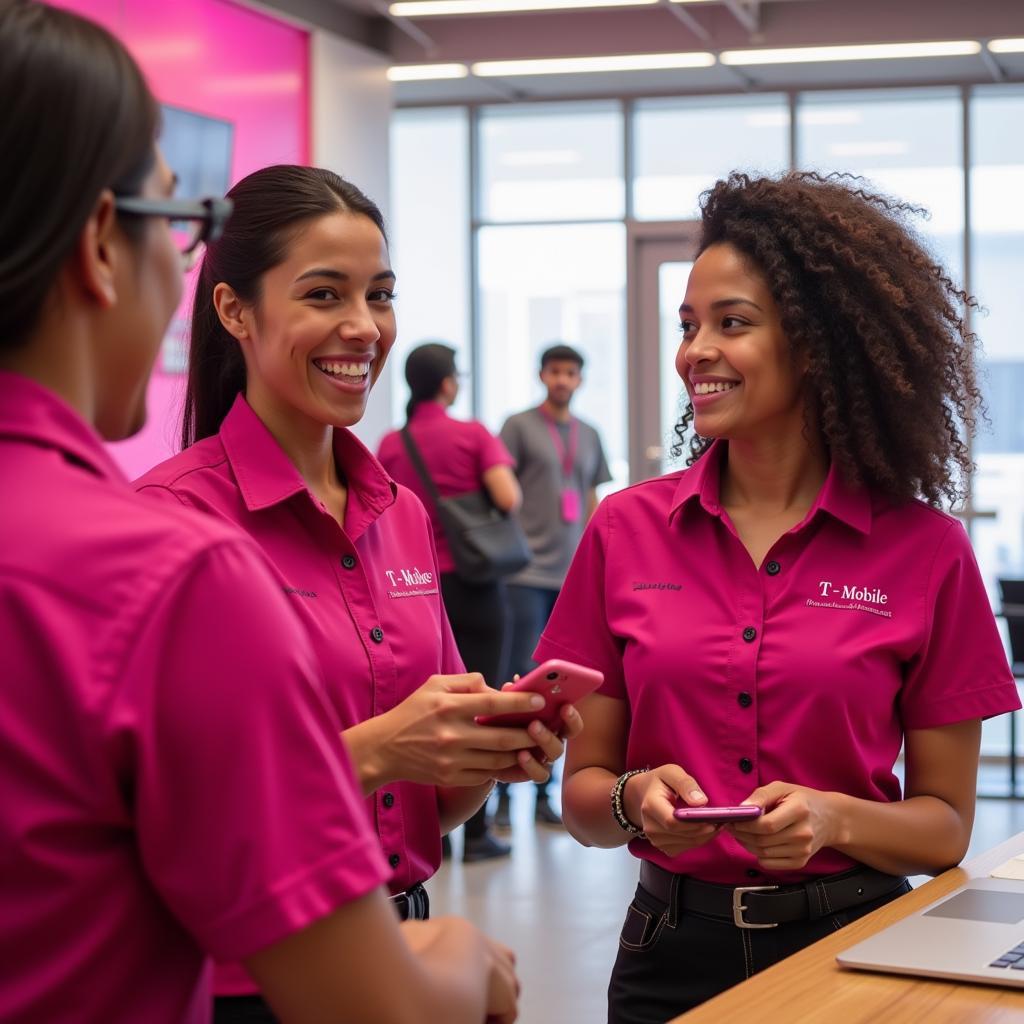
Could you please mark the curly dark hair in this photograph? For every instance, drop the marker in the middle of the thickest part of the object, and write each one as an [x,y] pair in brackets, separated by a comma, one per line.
[890,383]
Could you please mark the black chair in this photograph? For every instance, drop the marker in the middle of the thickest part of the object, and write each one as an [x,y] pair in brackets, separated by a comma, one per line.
[1011,596]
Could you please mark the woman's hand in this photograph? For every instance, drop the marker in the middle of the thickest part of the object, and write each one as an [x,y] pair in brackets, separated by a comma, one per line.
[650,799]
[795,824]
[433,738]
[534,765]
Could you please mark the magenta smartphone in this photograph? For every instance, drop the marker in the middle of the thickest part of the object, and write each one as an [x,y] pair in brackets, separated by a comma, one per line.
[559,682]
[744,813]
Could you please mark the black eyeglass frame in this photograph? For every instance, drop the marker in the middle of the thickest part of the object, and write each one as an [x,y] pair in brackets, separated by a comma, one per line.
[213,212]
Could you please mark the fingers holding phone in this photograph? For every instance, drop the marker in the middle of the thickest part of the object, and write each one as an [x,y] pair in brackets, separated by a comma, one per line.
[651,799]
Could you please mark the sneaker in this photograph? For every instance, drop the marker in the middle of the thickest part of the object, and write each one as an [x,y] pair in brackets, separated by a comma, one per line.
[545,814]
[502,814]
[484,847]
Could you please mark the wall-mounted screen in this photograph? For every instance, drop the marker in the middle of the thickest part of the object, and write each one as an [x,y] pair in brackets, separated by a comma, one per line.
[198,149]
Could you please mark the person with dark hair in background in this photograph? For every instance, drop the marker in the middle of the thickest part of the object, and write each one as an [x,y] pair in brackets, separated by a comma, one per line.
[459,456]
[173,781]
[775,622]
[559,464]
[293,319]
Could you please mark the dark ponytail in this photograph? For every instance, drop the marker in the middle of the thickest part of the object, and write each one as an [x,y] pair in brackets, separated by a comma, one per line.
[269,205]
[427,367]
[77,118]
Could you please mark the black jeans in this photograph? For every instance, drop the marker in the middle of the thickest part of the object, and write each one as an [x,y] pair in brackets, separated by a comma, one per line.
[531,609]
[478,614]
[670,961]
[242,1010]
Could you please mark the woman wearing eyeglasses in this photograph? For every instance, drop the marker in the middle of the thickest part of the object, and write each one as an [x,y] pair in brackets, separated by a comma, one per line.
[173,782]
[292,322]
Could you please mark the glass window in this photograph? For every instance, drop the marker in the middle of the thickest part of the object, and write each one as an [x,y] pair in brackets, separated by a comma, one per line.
[997,278]
[543,284]
[683,146]
[907,142]
[429,233]
[551,162]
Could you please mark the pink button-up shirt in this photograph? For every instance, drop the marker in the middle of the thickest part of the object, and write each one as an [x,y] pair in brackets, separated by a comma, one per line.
[367,594]
[865,620]
[456,453]
[151,671]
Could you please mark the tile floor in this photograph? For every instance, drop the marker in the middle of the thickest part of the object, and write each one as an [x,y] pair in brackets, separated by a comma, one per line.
[560,905]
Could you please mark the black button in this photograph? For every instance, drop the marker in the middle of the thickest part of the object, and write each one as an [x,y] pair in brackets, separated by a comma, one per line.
[753,873]
[750,634]
[349,562]
[745,700]
[773,568]
[377,635]
[394,860]
[746,765]
[389,799]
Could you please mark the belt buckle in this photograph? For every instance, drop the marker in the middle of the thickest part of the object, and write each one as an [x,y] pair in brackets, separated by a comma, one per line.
[738,908]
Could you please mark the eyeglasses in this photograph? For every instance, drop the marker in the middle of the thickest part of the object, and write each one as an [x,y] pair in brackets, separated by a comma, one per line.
[193,221]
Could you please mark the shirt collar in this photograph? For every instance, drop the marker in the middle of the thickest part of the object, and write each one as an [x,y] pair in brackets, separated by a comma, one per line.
[701,484]
[267,477]
[33,414]
[429,411]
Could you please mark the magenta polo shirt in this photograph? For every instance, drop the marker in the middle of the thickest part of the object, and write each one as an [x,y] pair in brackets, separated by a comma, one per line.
[367,594]
[172,779]
[457,453]
[864,621]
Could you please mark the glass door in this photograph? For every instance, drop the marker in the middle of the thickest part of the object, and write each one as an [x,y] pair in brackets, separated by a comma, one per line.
[659,265]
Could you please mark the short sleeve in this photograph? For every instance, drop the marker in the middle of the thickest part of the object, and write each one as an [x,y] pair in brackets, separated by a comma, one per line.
[602,474]
[509,436]
[960,671]
[578,629]
[249,820]
[490,450]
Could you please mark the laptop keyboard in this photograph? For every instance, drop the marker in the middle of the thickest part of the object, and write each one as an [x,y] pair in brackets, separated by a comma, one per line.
[1013,958]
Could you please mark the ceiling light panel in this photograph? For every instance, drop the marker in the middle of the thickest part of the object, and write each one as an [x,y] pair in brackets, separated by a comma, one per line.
[426,72]
[591,65]
[1006,46]
[441,8]
[880,51]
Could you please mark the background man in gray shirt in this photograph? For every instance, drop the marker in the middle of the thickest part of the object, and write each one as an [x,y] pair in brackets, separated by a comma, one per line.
[559,464]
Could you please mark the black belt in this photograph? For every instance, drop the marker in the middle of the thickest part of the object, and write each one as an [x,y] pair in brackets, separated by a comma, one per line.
[413,904]
[765,906]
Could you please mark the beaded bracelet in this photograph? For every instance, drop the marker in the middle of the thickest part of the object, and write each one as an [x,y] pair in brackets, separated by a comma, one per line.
[618,808]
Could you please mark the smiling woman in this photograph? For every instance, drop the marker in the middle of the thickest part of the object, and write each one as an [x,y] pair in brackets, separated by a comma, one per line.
[830,375]
[292,324]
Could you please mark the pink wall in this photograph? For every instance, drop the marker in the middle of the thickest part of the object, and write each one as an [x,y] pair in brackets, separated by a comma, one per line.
[223,60]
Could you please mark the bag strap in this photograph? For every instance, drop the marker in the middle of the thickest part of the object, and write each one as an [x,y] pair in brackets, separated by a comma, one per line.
[417,461]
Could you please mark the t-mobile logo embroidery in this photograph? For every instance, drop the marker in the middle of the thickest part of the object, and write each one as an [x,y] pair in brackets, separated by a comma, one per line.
[410,577]
[848,593]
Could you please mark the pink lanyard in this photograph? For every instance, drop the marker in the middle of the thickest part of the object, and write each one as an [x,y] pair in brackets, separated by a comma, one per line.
[566,455]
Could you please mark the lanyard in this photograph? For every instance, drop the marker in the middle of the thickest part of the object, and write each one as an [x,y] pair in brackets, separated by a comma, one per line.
[566,455]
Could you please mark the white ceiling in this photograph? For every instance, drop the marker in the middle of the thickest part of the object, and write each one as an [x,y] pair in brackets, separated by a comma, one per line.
[712,26]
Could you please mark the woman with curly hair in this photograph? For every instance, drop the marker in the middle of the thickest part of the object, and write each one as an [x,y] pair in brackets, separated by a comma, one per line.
[776,621]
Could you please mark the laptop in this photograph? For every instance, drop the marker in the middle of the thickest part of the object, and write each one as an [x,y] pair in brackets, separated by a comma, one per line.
[974,934]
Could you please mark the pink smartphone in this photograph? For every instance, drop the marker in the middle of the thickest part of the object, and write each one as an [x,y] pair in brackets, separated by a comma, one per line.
[559,682]
[744,813]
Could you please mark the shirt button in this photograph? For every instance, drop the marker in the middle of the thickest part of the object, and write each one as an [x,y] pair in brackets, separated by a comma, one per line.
[773,568]
[377,635]
[745,700]
[746,765]
[753,873]
[750,634]
[349,562]
[394,860]
[389,799]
